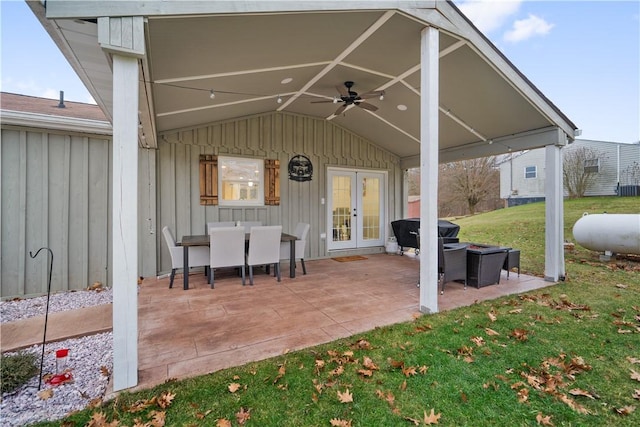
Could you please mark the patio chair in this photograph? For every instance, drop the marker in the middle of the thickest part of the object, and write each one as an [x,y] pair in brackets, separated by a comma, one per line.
[226,250]
[452,264]
[198,255]
[264,248]
[217,224]
[248,224]
[301,232]
[512,261]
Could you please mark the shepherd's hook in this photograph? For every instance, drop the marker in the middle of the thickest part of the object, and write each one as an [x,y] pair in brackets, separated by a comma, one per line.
[46,315]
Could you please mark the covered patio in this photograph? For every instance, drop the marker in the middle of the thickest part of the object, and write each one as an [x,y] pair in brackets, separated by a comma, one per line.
[181,81]
[189,333]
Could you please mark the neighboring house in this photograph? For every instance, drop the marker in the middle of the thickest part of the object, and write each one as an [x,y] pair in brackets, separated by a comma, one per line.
[55,173]
[522,175]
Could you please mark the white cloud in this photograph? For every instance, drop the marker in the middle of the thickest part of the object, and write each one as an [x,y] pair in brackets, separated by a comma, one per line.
[488,15]
[524,29]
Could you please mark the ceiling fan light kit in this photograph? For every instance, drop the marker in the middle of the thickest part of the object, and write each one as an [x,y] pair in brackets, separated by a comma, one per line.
[350,97]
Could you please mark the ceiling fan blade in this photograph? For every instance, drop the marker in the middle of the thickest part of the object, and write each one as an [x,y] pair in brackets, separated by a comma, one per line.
[318,102]
[366,106]
[371,94]
[340,110]
[342,91]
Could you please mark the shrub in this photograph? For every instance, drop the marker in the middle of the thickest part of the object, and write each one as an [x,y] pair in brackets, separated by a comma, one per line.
[16,370]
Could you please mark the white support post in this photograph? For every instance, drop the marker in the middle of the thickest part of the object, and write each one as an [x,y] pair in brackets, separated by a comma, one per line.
[554,268]
[429,145]
[125,222]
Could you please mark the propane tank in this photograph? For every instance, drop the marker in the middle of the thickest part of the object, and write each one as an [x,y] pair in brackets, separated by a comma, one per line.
[617,233]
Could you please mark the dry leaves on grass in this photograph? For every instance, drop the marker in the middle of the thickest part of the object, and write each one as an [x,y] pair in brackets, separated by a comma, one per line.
[432,418]
[99,419]
[243,415]
[625,410]
[345,397]
[222,422]
[233,387]
[337,422]
[544,420]
[635,375]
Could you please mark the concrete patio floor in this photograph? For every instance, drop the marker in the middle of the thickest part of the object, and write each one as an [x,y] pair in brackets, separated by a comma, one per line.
[202,330]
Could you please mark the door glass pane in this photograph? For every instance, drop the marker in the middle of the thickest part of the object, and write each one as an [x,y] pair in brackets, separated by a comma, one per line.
[370,208]
[341,208]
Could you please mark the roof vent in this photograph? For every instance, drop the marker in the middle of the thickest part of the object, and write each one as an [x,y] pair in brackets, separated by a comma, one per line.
[61,103]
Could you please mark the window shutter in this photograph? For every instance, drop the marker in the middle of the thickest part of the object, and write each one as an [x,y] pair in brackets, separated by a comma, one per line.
[272,182]
[208,179]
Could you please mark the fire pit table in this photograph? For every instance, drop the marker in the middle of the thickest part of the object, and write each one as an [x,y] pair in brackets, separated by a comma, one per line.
[484,264]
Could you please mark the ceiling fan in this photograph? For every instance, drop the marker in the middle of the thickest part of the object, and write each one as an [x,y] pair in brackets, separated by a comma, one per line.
[349,97]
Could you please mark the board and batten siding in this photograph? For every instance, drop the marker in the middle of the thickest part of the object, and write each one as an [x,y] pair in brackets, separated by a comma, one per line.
[55,194]
[270,136]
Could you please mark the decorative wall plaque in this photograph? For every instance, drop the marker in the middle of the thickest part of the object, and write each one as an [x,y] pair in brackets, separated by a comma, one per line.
[300,168]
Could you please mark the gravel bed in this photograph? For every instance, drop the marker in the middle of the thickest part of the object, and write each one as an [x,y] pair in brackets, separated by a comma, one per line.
[90,362]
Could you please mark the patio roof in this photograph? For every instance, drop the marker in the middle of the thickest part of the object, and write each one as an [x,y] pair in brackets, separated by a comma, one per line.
[253,53]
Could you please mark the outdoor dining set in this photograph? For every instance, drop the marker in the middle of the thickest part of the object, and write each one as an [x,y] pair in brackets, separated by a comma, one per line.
[240,245]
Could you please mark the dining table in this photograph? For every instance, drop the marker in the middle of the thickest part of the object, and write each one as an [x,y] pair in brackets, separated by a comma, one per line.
[203,240]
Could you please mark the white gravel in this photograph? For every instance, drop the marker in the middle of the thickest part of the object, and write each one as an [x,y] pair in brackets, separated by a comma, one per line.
[90,362]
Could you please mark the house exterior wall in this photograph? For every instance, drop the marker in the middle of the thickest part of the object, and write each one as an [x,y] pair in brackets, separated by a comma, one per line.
[271,136]
[55,193]
[514,183]
[617,160]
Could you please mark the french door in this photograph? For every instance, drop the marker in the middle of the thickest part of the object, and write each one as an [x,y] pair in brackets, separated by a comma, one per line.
[356,204]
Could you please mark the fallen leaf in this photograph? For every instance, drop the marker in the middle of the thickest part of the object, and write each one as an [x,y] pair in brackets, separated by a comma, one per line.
[635,375]
[423,369]
[413,420]
[368,363]
[345,397]
[45,394]
[403,386]
[409,371]
[636,394]
[479,341]
[492,316]
[580,392]
[491,332]
[520,334]
[625,410]
[243,415]
[621,286]
[104,371]
[633,360]
[202,415]
[165,399]
[233,387]
[336,422]
[221,422]
[336,372]
[523,395]
[432,418]
[572,404]
[544,420]
[515,311]
[158,418]
[365,372]
[99,419]
[281,371]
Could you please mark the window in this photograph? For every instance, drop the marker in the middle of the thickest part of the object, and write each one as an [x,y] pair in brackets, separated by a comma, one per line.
[239,181]
[592,165]
[530,172]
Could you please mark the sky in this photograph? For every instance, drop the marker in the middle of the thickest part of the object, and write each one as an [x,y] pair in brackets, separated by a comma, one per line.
[583,55]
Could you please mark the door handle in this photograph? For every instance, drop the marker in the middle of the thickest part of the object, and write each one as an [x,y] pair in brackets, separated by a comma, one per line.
[354,212]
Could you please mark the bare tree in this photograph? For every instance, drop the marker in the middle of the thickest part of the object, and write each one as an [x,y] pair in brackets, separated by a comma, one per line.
[580,168]
[472,180]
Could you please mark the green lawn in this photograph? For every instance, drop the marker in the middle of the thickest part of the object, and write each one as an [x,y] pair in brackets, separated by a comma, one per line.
[568,355]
